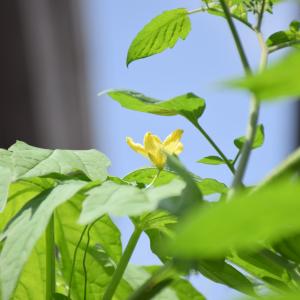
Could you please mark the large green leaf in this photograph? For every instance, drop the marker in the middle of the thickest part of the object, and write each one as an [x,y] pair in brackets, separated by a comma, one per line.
[6,176]
[279,80]
[221,272]
[258,139]
[188,105]
[271,268]
[103,253]
[26,228]
[31,284]
[125,200]
[179,289]
[241,224]
[29,161]
[159,34]
[143,177]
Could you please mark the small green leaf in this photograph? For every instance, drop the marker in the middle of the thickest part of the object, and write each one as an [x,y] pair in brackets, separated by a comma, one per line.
[279,80]
[189,105]
[159,34]
[211,160]
[125,200]
[29,161]
[292,35]
[209,186]
[258,139]
[241,224]
[25,229]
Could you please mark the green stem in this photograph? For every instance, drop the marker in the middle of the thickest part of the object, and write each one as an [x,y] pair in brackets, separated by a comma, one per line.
[236,158]
[236,37]
[252,123]
[154,179]
[214,145]
[217,11]
[50,260]
[282,46]
[260,16]
[74,260]
[117,276]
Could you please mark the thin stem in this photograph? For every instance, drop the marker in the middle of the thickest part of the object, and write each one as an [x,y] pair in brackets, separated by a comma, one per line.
[236,157]
[214,145]
[236,37]
[74,260]
[122,264]
[50,260]
[214,10]
[154,179]
[282,46]
[84,260]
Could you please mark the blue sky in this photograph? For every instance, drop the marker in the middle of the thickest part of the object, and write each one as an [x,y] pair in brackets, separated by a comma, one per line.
[199,64]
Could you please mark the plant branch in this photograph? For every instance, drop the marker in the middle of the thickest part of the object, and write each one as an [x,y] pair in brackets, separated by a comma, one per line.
[236,157]
[50,260]
[215,146]
[282,46]
[260,15]
[117,276]
[236,37]
[252,123]
[217,11]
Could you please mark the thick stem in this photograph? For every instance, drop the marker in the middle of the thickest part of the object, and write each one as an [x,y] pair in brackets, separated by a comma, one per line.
[252,123]
[214,145]
[50,260]
[117,276]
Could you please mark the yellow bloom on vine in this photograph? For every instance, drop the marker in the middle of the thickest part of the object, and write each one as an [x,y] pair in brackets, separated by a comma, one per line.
[155,150]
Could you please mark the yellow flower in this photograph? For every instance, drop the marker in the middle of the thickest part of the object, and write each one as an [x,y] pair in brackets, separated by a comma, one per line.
[155,150]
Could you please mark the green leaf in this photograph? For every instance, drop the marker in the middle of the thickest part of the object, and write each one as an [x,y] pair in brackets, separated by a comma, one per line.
[29,161]
[267,266]
[221,272]
[6,176]
[291,36]
[125,200]
[143,177]
[31,284]
[211,160]
[25,229]
[159,34]
[209,186]
[179,289]
[258,139]
[279,80]
[188,105]
[285,296]
[241,224]
[103,253]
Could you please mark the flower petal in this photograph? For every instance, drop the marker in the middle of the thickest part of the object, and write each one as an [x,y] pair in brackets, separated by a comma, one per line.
[158,159]
[152,143]
[172,142]
[135,146]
